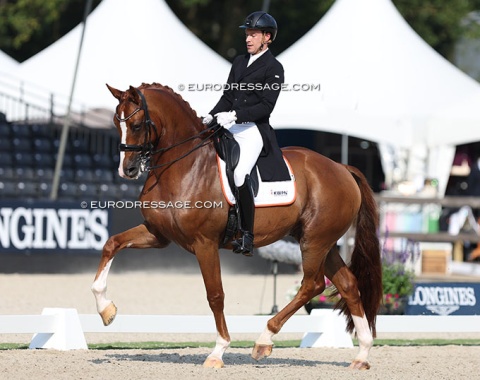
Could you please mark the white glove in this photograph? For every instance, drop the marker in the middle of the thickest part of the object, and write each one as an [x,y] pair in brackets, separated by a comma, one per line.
[226,119]
[207,119]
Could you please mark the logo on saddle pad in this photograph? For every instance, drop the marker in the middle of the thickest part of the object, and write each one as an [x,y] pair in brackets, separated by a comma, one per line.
[281,193]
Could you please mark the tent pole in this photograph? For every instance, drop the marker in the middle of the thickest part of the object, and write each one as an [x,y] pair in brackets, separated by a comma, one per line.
[344,247]
[266,5]
[66,121]
[275,273]
[345,149]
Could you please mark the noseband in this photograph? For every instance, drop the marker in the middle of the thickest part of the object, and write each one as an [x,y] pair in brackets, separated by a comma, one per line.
[146,149]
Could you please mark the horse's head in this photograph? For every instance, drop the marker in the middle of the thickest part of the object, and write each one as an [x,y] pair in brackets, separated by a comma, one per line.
[176,133]
[137,131]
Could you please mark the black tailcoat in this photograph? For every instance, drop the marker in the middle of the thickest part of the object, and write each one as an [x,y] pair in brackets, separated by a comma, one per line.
[252,93]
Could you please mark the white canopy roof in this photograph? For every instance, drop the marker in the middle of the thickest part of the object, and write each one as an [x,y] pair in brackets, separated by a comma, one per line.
[8,65]
[379,81]
[8,74]
[127,43]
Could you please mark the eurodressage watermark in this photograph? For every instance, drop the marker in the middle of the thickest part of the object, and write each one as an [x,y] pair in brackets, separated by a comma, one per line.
[151,204]
[201,87]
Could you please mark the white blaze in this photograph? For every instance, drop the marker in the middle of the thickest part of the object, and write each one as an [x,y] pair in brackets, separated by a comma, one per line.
[123,128]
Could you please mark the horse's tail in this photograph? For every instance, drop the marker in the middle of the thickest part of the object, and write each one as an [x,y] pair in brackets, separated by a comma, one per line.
[366,264]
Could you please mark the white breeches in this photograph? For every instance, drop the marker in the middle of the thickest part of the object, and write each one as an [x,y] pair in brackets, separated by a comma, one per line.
[251,144]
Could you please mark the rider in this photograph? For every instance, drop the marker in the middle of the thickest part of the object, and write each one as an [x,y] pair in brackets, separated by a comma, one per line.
[252,89]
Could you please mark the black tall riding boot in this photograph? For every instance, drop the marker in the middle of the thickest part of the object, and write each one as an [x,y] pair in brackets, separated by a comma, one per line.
[246,208]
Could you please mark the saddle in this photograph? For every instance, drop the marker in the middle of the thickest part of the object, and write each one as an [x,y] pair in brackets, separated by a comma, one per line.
[228,150]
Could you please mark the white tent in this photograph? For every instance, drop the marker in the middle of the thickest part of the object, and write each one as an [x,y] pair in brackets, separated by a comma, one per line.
[378,78]
[8,74]
[8,65]
[379,81]
[10,87]
[127,43]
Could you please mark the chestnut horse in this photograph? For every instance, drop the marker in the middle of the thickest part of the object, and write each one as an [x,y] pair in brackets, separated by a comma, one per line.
[157,125]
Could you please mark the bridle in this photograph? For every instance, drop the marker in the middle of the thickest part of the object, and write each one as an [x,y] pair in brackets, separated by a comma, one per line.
[147,148]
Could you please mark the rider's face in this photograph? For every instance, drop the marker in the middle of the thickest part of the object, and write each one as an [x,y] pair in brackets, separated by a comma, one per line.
[254,39]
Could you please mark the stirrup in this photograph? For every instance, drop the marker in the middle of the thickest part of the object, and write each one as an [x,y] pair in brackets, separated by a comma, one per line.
[244,245]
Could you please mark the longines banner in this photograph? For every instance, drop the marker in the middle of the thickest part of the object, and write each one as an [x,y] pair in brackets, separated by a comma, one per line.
[451,298]
[49,227]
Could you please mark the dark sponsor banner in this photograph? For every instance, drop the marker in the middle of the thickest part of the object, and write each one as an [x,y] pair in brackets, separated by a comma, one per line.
[52,227]
[445,298]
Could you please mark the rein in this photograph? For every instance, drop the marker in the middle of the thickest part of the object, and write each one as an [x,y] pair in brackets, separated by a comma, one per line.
[202,143]
[146,149]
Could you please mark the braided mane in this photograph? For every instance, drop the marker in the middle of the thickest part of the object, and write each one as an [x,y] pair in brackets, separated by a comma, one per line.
[159,86]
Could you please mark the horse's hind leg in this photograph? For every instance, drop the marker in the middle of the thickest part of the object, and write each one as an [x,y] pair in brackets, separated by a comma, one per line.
[313,283]
[346,283]
[137,237]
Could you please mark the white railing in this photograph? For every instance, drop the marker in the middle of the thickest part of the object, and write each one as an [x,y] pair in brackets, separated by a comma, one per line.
[428,323]
[63,329]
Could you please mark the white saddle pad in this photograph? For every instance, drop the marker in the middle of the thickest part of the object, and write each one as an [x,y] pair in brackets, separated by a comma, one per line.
[281,193]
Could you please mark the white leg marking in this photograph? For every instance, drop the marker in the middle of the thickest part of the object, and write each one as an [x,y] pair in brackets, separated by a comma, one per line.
[123,128]
[265,338]
[220,348]
[99,288]
[364,335]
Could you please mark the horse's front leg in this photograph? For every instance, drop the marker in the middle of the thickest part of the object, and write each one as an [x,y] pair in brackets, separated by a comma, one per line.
[209,262]
[137,237]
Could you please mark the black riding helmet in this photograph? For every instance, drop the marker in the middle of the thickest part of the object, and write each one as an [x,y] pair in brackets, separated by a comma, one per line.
[262,21]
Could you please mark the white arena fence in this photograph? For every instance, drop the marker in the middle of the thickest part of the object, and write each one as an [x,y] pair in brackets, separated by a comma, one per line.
[64,329]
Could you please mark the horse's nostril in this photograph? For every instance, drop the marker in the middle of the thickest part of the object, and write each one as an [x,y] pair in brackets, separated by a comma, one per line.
[131,170]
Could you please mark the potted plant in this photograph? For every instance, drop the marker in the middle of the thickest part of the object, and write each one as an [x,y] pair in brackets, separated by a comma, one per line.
[397,286]
[397,278]
[397,281]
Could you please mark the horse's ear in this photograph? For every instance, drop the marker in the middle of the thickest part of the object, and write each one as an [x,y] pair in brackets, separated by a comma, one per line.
[116,93]
[133,95]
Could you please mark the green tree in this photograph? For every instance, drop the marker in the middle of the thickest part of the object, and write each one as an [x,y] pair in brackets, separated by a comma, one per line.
[439,22]
[28,26]
[216,22]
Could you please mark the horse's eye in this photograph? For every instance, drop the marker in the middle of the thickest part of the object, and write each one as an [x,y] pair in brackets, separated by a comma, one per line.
[136,127]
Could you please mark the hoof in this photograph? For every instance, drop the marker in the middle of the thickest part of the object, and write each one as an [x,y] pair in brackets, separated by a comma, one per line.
[261,351]
[213,362]
[108,314]
[359,365]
